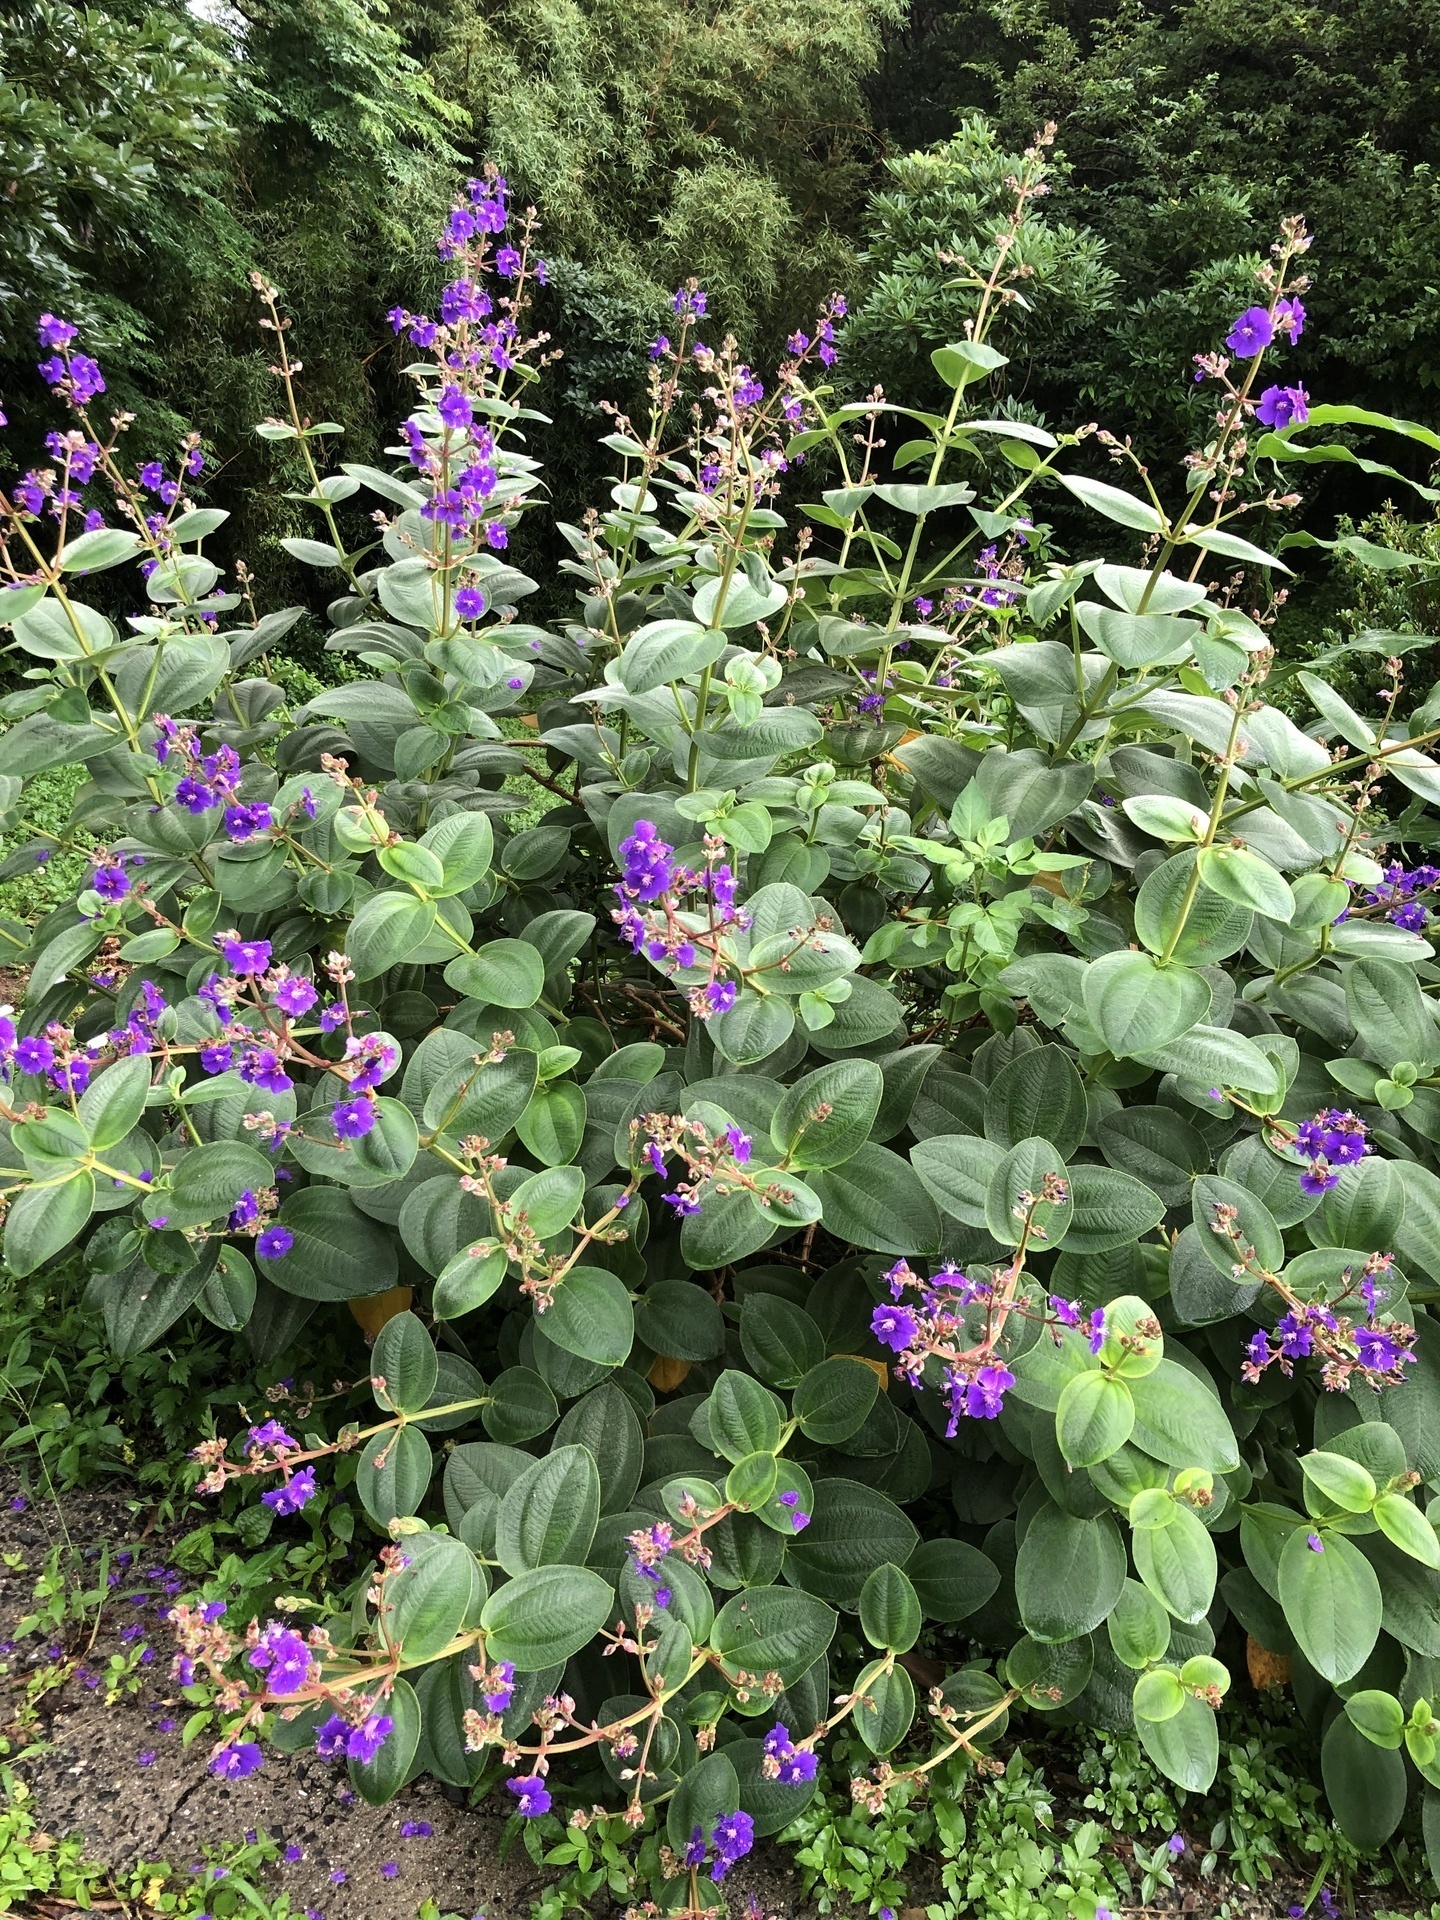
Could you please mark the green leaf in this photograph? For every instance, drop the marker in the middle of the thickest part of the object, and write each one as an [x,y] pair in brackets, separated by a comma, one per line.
[112,1104]
[772,1629]
[1177,1563]
[1247,879]
[1253,1221]
[1186,1746]
[482,1096]
[1139,1627]
[1331,1601]
[1094,1418]
[504,973]
[1069,1573]
[338,1254]
[404,1358]
[780,1340]
[1181,1422]
[207,1181]
[1051,1675]
[1135,1004]
[549,1514]
[1365,1785]
[1108,1210]
[708,1792]
[951,1579]
[387,928]
[1218,1057]
[876,1200]
[667,650]
[605,1422]
[743,1417]
[853,1529]
[469,1280]
[890,1616]
[833,1401]
[1038,1093]
[43,1220]
[1113,502]
[1402,1523]
[1378,1715]
[956,1171]
[1343,1482]
[681,1319]
[542,1617]
[549,1200]
[1013,1196]
[590,1315]
[392,1474]
[826,1117]
[884,1708]
[434,1596]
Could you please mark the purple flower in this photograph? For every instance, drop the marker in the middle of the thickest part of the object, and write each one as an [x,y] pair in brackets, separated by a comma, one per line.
[113,883]
[19,1503]
[1284,407]
[366,1741]
[33,1054]
[894,1327]
[503,1687]
[1378,1351]
[1290,318]
[454,408]
[246,956]
[739,1145]
[390,1869]
[732,1837]
[283,1657]
[237,1761]
[295,996]
[659,346]
[416,1830]
[331,1738]
[54,333]
[1251,333]
[646,862]
[145,1759]
[532,1795]
[243,823]
[274,1243]
[297,1491]
[294,1855]
[1315,1543]
[470,603]
[1097,1329]
[219,1057]
[1176,1843]
[719,997]
[985,1393]
[1411,917]
[353,1119]
[269,1434]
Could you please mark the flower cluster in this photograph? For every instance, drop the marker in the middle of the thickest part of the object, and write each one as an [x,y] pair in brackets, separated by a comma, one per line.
[931,1324]
[730,1839]
[670,934]
[1255,330]
[1333,1139]
[1397,895]
[782,1760]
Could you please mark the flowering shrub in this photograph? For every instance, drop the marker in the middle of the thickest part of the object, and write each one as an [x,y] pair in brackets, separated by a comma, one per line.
[936,1125]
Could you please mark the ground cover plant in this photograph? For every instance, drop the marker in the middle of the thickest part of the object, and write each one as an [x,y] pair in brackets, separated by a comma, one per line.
[931,1135]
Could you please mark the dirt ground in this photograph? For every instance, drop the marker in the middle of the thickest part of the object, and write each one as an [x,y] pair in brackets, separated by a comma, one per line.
[119,1776]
